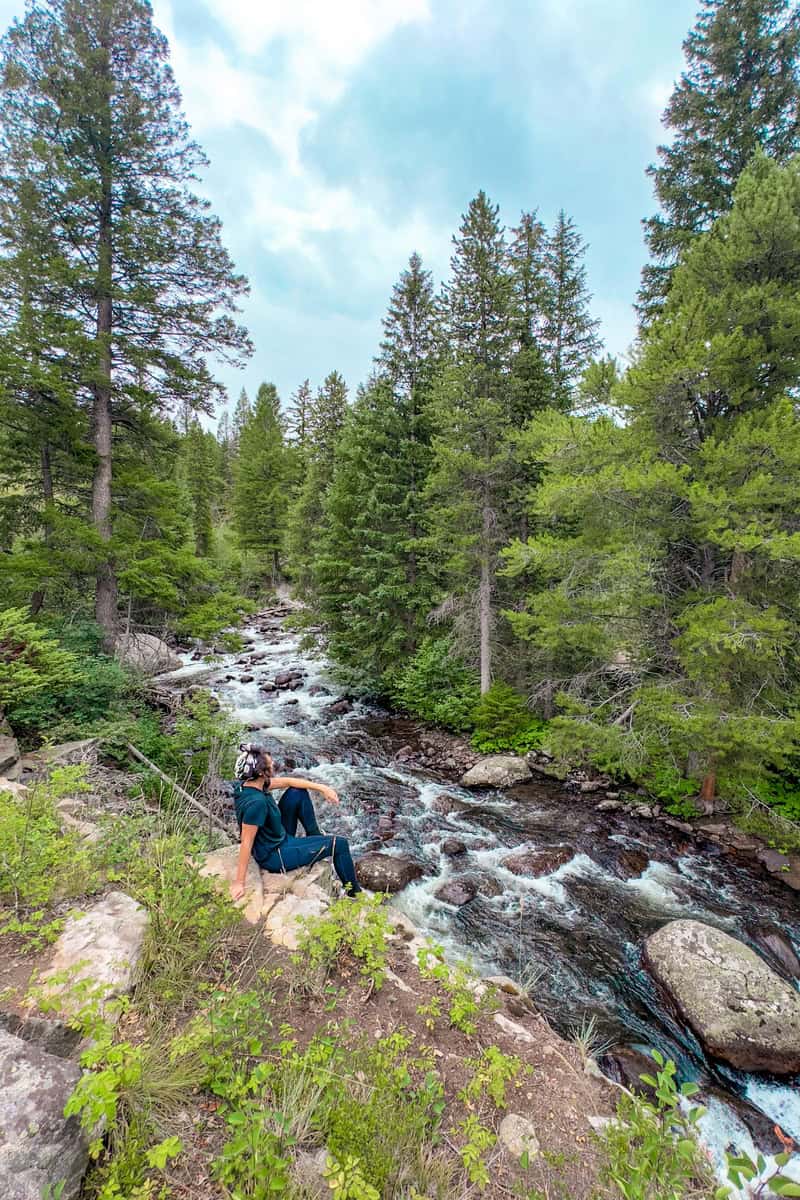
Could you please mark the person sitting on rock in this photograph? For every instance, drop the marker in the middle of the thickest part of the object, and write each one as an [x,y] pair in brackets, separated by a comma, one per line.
[269,830]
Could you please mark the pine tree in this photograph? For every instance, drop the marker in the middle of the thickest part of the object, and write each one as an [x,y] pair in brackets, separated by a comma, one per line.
[242,413]
[740,92]
[527,255]
[260,486]
[568,337]
[200,469]
[299,415]
[478,300]
[408,352]
[371,592]
[91,123]
[667,557]
[307,513]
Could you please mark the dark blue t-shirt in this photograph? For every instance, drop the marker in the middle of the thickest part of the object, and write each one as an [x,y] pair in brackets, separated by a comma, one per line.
[254,807]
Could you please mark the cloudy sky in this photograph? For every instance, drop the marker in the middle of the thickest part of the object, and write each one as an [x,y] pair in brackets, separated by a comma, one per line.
[344,134]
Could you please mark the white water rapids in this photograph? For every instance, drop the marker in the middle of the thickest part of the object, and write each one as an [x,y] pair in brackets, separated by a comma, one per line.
[574,935]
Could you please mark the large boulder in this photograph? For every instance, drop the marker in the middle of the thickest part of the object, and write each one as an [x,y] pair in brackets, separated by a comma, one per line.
[386,872]
[102,945]
[146,653]
[497,771]
[538,862]
[741,1011]
[39,1148]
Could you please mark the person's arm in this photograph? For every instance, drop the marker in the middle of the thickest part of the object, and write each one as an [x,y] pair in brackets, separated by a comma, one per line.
[245,847]
[285,781]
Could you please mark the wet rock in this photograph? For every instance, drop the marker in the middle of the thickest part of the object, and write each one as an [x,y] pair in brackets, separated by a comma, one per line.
[609,806]
[268,687]
[386,872]
[518,1136]
[626,1065]
[740,1009]
[404,754]
[338,708]
[246,678]
[318,690]
[592,785]
[773,860]
[456,892]
[538,862]
[146,653]
[489,886]
[40,1150]
[779,946]
[295,685]
[286,678]
[631,864]
[497,771]
[452,847]
[289,703]
[445,804]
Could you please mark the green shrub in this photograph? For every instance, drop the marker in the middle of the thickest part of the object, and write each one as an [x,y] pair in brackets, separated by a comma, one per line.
[352,930]
[436,686]
[39,863]
[651,1148]
[31,661]
[503,722]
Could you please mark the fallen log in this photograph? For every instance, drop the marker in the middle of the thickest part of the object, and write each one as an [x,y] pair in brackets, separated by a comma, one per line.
[142,758]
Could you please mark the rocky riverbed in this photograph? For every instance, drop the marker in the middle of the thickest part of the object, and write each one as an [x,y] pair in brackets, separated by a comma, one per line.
[556,885]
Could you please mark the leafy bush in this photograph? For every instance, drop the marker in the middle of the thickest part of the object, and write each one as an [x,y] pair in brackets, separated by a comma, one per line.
[651,1148]
[39,863]
[503,722]
[436,686]
[354,929]
[467,1000]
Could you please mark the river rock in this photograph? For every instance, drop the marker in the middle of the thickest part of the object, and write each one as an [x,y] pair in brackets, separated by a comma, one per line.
[9,751]
[457,892]
[489,886]
[497,771]
[631,864]
[386,872]
[452,847]
[103,944]
[518,1136]
[739,1008]
[39,1148]
[338,708]
[146,653]
[246,678]
[776,943]
[609,806]
[626,1065]
[538,862]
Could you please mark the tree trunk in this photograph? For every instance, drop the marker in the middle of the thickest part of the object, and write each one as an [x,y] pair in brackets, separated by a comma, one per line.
[708,791]
[105,605]
[37,598]
[485,604]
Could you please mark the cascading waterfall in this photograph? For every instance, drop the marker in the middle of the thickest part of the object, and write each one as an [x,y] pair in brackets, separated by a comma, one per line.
[576,933]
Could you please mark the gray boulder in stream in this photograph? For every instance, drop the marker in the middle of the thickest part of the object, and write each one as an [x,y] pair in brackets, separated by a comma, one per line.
[741,1011]
[386,872]
[497,771]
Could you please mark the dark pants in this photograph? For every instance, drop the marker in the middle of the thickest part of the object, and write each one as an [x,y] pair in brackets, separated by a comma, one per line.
[295,805]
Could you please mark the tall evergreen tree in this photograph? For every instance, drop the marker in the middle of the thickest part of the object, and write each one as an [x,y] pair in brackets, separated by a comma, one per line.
[260,484]
[299,415]
[527,254]
[242,412]
[307,513]
[667,554]
[478,300]
[740,92]
[91,122]
[200,470]
[471,411]
[568,335]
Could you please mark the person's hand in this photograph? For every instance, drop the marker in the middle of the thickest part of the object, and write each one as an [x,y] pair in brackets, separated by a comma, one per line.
[330,794]
[237,891]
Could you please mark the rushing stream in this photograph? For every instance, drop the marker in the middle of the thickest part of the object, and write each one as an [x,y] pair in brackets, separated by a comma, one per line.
[574,935]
